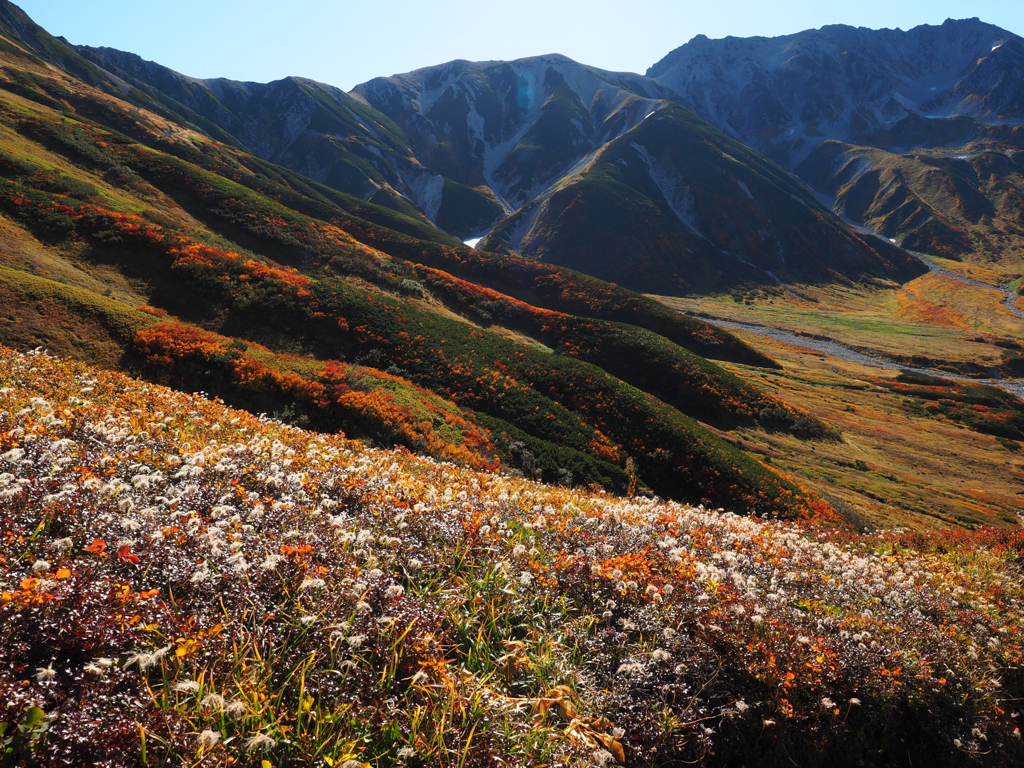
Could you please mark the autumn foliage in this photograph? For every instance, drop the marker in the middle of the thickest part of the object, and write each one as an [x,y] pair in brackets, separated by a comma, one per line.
[181,583]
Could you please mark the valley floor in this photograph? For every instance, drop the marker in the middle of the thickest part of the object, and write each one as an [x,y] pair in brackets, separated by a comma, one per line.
[842,349]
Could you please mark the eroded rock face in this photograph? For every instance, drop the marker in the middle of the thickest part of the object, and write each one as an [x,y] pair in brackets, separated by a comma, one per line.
[784,95]
[512,126]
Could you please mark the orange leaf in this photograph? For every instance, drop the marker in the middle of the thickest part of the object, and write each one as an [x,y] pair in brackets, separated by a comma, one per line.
[63,573]
[124,554]
[98,547]
[29,584]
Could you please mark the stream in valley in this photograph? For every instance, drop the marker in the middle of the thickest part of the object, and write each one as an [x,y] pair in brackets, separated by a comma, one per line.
[833,348]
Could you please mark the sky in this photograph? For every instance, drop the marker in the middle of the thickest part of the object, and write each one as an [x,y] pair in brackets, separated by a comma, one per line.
[345,43]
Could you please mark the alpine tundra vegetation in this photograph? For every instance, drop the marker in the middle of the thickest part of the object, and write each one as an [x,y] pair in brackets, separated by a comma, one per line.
[515,413]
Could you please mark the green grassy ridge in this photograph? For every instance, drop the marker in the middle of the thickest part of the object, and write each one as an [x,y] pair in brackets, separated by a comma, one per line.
[564,290]
[475,370]
[692,384]
[17,25]
[215,374]
[675,453]
[121,321]
[118,126]
[612,220]
[311,198]
[41,47]
[226,193]
[466,211]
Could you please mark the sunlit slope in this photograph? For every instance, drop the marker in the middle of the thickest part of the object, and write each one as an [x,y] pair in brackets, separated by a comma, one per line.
[118,201]
[964,204]
[187,583]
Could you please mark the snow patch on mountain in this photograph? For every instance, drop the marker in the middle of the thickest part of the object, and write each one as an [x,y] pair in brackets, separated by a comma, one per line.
[518,232]
[475,122]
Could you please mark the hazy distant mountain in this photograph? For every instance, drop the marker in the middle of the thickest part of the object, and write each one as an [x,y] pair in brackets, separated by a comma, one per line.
[675,205]
[316,129]
[510,128]
[600,172]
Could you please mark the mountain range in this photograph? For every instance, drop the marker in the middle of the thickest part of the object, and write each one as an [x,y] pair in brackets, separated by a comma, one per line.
[553,170]
[526,156]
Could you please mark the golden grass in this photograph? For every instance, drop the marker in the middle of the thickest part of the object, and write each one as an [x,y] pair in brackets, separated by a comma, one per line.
[921,472]
[933,316]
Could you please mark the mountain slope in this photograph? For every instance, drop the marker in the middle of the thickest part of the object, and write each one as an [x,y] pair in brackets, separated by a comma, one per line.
[674,205]
[315,129]
[512,126]
[784,95]
[478,148]
[964,204]
[264,293]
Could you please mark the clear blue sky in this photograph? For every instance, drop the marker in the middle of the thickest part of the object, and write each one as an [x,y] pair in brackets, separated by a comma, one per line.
[345,43]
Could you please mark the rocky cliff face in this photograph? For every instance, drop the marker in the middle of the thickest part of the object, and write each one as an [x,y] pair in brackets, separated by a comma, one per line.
[784,95]
[512,127]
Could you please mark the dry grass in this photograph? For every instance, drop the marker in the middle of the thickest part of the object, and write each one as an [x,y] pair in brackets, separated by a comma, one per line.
[934,317]
[920,471]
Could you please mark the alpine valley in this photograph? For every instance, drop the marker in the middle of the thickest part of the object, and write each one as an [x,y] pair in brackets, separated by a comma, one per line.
[515,413]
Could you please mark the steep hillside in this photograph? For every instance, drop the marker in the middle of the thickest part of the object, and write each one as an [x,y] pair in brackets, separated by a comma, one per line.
[309,127]
[196,264]
[675,206]
[512,127]
[910,133]
[965,204]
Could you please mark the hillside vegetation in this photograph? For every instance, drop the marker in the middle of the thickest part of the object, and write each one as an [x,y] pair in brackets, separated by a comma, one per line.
[961,204]
[186,583]
[676,206]
[196,264]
